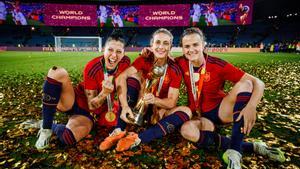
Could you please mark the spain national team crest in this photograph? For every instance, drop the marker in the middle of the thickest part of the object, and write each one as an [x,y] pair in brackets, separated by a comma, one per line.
[187,73]
[207,77]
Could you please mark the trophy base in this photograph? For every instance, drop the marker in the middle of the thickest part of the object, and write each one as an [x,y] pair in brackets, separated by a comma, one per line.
[138,120]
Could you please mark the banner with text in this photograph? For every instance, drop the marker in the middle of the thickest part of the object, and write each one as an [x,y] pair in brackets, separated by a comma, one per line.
[164,15]
[196,14]
[70,15]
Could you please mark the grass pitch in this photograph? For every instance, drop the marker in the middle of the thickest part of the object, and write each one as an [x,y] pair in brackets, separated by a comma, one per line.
[40,62]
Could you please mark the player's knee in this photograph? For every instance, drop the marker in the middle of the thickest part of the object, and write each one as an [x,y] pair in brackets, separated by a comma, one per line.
[186,110]
[84,131]
[80,131]
[190,131]
[207,125]
[58,73]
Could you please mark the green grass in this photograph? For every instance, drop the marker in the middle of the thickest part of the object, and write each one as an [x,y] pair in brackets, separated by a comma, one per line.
[40,62]
[258,58]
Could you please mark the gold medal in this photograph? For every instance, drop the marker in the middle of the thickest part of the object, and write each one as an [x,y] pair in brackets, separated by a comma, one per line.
[110,116]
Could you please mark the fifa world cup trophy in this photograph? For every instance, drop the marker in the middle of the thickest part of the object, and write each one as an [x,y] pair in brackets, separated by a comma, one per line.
[139,110]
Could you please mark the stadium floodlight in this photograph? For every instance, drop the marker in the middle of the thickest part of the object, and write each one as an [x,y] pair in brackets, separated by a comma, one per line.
[78,43]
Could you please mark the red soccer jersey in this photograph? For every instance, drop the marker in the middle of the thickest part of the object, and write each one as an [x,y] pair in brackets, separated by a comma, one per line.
[172,78]
[217,72]
[93,75]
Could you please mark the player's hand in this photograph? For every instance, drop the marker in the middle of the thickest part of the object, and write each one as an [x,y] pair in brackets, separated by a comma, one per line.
[249,114]
[149,98]
[107,87]
[95,103]
[126,114]
[147,51]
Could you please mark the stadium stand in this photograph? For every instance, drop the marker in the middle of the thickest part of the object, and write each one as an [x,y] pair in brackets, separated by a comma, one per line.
[216,36]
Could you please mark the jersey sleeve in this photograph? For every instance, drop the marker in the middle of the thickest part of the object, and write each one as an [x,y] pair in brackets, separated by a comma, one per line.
[123,64]
[176,81]
[89,78]
[232,73]
[181,64]
[175,77]
[139,63]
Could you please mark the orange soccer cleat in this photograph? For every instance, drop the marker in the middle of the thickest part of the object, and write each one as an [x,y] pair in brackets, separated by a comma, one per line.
[130,141]
[112,139]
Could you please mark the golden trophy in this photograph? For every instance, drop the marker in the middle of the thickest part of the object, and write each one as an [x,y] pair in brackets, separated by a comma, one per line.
[139,110]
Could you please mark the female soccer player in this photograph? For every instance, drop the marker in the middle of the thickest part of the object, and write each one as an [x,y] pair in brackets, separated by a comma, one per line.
[204,77]
[92,95]
[163,99]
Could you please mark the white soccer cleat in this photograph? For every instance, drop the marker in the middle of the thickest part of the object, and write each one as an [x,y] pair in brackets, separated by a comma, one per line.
[44,138]
[232,158]
[274,154]
[31,123]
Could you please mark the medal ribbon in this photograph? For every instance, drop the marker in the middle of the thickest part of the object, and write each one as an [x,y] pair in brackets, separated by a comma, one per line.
[197,93]
[108,97]
[161,80]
